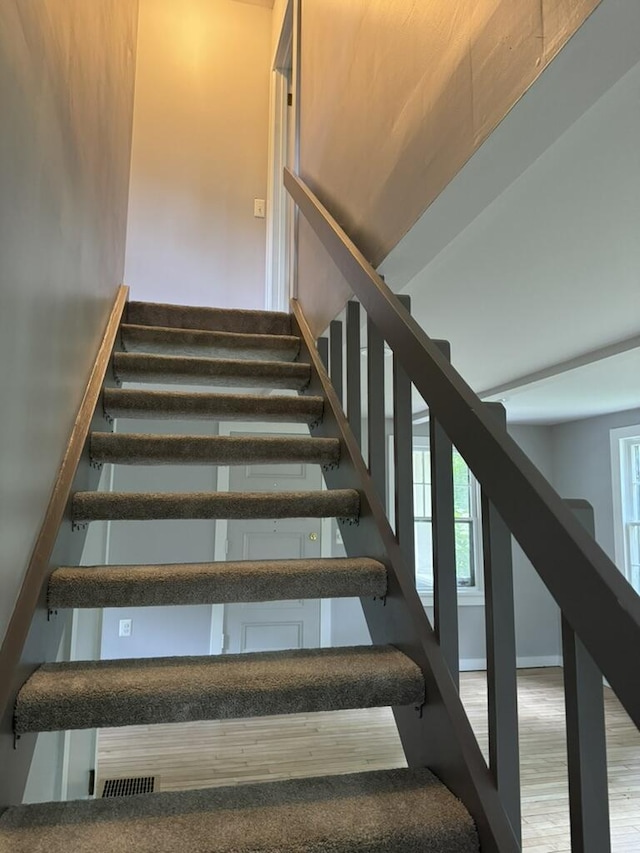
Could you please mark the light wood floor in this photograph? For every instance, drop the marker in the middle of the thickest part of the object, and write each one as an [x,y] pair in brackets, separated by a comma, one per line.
[194,755]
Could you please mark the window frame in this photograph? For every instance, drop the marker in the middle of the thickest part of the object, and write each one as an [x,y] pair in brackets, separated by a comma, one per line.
[621,440]
[467,596]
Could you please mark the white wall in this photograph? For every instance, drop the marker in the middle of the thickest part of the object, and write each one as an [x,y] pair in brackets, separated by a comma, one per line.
[549,270]
[582,466]
[537,617]
[160,630]
[66,88]
[199,153]
[396,96]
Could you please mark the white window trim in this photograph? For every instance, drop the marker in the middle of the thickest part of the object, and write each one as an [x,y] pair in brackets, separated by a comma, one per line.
[616,438]
[467,597]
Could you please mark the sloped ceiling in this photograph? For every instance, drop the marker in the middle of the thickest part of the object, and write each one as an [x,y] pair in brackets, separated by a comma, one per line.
[548,270]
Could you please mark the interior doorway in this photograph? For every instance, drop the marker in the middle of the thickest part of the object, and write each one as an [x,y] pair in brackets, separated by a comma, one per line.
[269,626]
[283,152]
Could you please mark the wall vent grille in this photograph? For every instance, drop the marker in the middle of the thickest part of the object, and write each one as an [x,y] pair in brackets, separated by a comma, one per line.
[129,787]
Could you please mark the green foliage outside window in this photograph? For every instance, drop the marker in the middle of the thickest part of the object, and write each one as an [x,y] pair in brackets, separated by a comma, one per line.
[463,499]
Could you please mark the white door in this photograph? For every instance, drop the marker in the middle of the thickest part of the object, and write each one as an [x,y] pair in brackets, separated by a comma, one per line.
[278,624]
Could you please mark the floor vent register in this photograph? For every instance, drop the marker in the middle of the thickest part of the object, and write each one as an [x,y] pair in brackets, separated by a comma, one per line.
[129,787]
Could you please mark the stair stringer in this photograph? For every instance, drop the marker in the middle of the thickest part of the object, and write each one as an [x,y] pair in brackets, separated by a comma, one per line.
[21,655]
[438,735]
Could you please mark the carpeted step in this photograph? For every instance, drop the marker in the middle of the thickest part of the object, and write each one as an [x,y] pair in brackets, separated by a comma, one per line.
[163,369]
[142,691]
[215,583]
[383,811]
[140,449]
[143,506]
[157,339]
[134,403]
[209,319]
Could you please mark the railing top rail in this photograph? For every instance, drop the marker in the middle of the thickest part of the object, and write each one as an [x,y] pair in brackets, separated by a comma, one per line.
[595,598]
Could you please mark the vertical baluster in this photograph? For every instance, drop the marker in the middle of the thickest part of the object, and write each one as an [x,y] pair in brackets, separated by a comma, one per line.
[403,458]
[354,407]
[502,687]
[323,351]
[586,738]
[445,583]
[335,345]
[375,395]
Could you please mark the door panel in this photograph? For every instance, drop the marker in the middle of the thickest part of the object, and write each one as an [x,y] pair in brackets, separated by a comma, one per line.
[273,625]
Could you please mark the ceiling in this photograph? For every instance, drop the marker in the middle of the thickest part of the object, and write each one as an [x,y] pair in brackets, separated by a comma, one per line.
[549,268]
[609,385]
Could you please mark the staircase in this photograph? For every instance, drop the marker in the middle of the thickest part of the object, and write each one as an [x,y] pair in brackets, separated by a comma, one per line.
[397,810]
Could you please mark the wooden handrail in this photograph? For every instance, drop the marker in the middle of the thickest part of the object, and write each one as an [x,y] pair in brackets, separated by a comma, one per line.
[595,598]
[39,564]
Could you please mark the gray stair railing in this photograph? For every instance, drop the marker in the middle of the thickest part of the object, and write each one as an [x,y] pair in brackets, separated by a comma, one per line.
[599,626]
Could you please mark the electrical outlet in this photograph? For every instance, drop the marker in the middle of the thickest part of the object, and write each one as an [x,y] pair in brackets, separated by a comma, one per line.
[125,627]
[259,208]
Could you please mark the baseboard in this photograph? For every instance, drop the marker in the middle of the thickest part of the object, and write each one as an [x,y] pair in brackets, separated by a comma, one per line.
[473,664]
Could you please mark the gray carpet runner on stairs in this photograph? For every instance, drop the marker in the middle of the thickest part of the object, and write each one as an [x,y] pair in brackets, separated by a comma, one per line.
[143,506]
[385,811]
[136,403]
[215,583]
[208,319]
[394,811]
[137,449]
[155,339]
[161,369]
[141,691]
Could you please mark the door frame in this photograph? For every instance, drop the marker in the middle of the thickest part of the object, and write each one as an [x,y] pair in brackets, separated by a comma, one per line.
[283,140]
[219,553]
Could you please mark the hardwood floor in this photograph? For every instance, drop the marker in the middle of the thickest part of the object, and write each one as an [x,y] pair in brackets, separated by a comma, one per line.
[194,755]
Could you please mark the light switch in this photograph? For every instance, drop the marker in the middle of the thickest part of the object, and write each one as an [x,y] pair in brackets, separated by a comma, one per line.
[259,208]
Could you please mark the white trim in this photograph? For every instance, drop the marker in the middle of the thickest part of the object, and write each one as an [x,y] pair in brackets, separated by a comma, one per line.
[326,551]
[479,664]
[219,555]
[217,629]
[108,474]
[616,437]
[467,597]
[282,135]
[295,145]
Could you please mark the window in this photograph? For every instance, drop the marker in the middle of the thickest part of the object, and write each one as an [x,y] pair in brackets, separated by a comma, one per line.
[467,527]
[626,480]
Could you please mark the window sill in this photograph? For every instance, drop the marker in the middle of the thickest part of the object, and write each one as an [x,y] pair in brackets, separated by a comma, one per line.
[470,598]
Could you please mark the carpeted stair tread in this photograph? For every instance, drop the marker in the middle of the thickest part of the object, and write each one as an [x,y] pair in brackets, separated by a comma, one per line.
[172,369]
[383,811]
[208,319]
[138,403]
[143,691]
[215,583]
[195,342]
[142,449]
[146,506]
